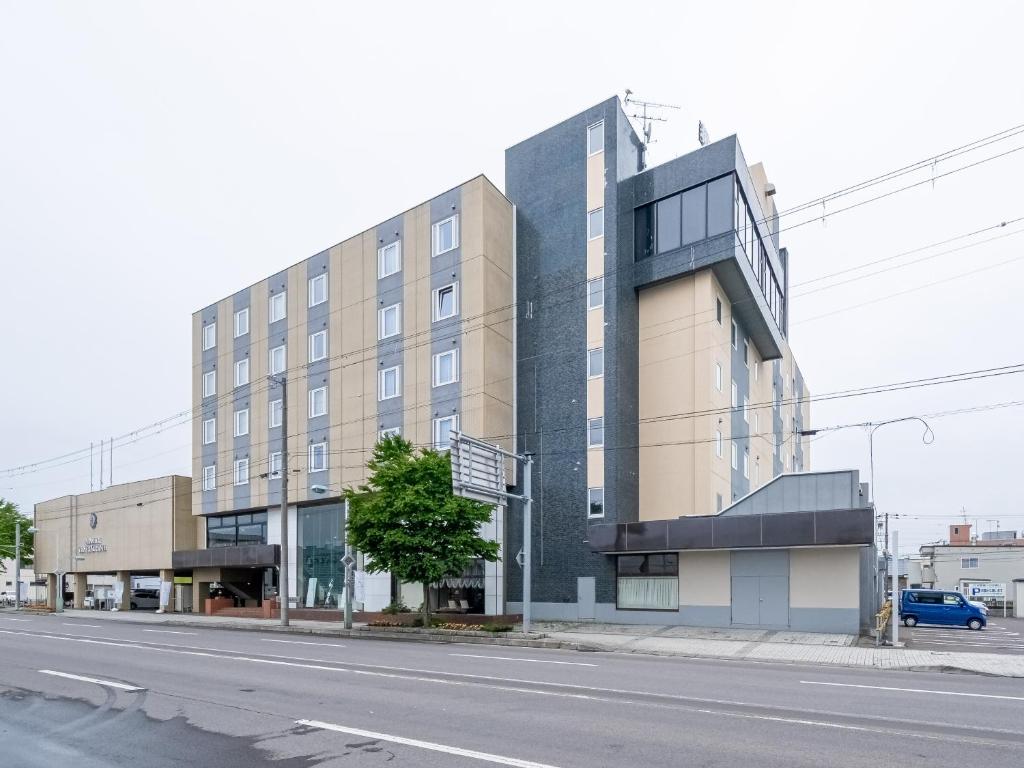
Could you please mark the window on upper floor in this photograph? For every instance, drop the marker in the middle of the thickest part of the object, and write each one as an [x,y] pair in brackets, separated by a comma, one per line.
[389,259]
[389,432]
[443,427]
[317,290]
[241,472]
[241,322]
[694,207]
[210,477]
[274,465]
[209,384]
[746,463]
[718,376]
[276,413]
[735,456]
[595,138]
[242,422]
[278,306]
[318,457]
[446,302]
[389,321]
[389,383]
[242,372]
[317,402]
[595,362]
[595,293]
[595,432]
[446,367]
[446,235]
[735,396]
[718,443]
[735,335]
[968,562]
[595,224]
[718,310]
[209,336]
[720,205]
[209,431]
[669,218]
[278,360]
[317,346]
[746,353]
[595,502]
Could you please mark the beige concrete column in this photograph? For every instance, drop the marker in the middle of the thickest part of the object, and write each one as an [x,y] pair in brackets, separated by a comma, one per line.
[52,586]
[125,578]
[168,576]
[81,586]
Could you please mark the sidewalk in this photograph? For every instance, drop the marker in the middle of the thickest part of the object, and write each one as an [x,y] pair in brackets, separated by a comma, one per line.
[692,642]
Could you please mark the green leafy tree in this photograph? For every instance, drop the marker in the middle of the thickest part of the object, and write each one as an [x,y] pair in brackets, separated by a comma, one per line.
[409,522]
[9,516]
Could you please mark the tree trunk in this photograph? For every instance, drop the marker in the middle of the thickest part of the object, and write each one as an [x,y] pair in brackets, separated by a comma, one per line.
[426,605]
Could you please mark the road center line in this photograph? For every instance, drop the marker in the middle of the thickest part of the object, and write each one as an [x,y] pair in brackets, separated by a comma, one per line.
[11,618]
[108,683]
[916,690]
[170,632]
[70,624]
[303,642]
[486,756]
[513,658]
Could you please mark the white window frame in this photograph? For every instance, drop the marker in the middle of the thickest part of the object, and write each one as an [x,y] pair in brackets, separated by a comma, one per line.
[735,400]
[321,450]
[965,563]
[452,353]
[210,431]
[314,283]
[209,378]
[757,370]
[210,477]
[276,409]
[436,234]
[718,443]
[283,349]
[382,377]
[274,465]
[436,302]
[590,131]
[591,427]
[590,293]
[210,335]
[242,365]
[746,354]
[735,335]
[599,214]
[278,306]
[757,423]
[241,476]
[718,376]
[590,501]
[746,463]
[381,324]
[382,259]
[313,393]
[241,318]
[241,420]
[389,432]
[590,357]
[313,337]
[454,419]
[735,456]
[746,409]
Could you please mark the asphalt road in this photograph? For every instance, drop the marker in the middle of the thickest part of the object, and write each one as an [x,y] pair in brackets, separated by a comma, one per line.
[1000,636]
[91,696]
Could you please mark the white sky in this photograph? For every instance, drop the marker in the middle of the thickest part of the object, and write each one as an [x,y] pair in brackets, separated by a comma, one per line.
[157,157]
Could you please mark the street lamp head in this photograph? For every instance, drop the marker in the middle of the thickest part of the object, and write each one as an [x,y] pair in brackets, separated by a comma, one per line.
[33,529]
[318,488]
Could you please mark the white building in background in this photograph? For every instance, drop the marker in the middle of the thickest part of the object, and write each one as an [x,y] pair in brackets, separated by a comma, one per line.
[29,592]
[995,558]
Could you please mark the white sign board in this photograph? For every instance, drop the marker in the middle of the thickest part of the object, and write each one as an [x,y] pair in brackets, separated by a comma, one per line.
[359,593]
[478,469]
[986,591]
[118,592]
[165,593]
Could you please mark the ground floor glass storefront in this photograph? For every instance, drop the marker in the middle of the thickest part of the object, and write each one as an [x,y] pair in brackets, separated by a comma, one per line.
[320,548]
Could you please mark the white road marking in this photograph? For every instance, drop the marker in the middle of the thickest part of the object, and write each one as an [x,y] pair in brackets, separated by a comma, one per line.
[170,632]
[513,658]
[916,690]
[70,624]
[108,683]
[459,751]
[303,642]
[11,618]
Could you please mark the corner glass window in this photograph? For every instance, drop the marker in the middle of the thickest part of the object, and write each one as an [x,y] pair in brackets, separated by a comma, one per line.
[668,219]
[721,210]
[643,224]
[694,214]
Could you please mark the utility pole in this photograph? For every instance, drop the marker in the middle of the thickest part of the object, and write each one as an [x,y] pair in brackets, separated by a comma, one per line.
[527,538]
[283,578]
[17,564]
[350,577]
[896,589]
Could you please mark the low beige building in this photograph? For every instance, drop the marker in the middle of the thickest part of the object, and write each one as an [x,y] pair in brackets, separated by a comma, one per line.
[126,531]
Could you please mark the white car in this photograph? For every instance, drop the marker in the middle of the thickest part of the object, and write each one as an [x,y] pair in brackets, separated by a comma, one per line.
[7,598]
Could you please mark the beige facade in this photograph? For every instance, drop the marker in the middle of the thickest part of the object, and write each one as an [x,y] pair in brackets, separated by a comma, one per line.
[131,527]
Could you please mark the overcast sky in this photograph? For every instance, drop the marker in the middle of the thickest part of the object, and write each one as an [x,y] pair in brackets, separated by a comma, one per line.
[157,157]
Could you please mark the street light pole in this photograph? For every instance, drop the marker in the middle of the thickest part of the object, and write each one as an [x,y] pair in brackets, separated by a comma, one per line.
[282,592]
[17,564]
[350,577]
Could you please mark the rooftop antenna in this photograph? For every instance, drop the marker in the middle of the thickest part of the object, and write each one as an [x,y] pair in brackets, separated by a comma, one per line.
[646,115]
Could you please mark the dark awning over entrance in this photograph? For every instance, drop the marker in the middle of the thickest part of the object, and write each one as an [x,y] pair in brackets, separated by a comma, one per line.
[246,555]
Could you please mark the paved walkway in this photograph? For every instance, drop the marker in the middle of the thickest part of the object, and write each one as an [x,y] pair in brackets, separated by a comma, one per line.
[696,642]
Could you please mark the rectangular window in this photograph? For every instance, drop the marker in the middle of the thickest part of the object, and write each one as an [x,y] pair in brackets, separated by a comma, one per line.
[718,310]
[735,334]
[389,321]
[746,409]
[317,290]
[274,464]
[720,206]
[968,562]
[389,259]
[595,362]
[446,302]
[595,138]
[694,214]
[446,235]
[317,457]
[746,353]
[242,372]
[668,223]
[210,477]
[647,582]
[718,443]
[389,432]
[735,396]
[595,502]
[242,422]
[595,432]
[278,306]
[757,423]
[209,336]
[718,376]
[446,367]
[276,412]
[242,472]
[718,502]
[443,431]
[595,224]
[595,293]
[746,463]
[389,383]
[209,384]
[735,456]
[278,360]
[317,346]
[241,322]
[757,370]
[209,431]
[317,402]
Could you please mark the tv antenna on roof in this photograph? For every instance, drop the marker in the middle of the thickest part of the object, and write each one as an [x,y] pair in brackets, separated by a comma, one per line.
[646,114]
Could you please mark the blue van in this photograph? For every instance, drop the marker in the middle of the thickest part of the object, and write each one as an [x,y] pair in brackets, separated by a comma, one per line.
[936,606]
